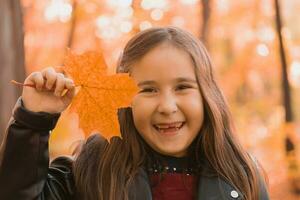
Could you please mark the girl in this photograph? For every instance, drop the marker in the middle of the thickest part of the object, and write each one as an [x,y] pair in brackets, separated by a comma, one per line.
[178,138]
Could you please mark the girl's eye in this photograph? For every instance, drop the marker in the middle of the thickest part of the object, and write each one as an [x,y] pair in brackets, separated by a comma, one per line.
[148,90]
[182,87]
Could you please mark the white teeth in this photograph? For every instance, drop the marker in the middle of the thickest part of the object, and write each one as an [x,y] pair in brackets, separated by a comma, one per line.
[162,126]
[177,126]
[162,130]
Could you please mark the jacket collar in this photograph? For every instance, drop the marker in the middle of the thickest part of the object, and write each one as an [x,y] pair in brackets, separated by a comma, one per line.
[209,188]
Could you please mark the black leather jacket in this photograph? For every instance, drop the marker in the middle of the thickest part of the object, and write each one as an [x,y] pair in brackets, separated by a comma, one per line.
[25,173]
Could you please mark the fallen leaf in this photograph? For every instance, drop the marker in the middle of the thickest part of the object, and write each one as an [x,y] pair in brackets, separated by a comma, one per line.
[100,95]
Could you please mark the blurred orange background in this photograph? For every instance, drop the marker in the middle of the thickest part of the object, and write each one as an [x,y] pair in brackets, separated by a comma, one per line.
[241,38]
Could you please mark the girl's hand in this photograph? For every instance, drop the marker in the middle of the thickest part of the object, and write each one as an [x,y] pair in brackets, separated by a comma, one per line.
[47,94]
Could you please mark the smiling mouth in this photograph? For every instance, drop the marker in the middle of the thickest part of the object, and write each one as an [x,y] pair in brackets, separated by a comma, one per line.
[169,128]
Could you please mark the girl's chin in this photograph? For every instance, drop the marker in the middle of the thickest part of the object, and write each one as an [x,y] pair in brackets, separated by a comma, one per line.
[171,152]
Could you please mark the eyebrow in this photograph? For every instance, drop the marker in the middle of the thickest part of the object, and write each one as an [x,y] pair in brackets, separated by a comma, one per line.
[184,79]
[177,80]
[148,82]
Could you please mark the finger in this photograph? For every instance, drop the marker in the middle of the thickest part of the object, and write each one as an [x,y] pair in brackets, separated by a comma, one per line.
[70,94]
[50,76]
[70,89]
[60,69]
[37,79]
[69,83]
[59,84]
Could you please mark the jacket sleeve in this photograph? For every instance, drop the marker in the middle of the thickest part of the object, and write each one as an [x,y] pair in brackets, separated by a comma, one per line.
[24,159]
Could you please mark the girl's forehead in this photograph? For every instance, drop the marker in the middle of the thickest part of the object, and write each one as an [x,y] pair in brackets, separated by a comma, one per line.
[163,76]
[164,63]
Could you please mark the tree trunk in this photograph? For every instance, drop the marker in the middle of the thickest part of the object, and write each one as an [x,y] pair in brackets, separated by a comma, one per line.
[72,25]
[136,12]
[285,82]
[293,166]
[11,57]
[206,9]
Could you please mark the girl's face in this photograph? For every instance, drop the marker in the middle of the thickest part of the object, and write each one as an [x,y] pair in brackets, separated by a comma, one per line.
[168,110]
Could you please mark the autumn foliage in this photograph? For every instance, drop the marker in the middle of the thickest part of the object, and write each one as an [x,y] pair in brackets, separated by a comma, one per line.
[99,95]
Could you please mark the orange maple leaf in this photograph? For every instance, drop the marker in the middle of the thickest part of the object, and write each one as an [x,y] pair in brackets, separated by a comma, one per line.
[100,95]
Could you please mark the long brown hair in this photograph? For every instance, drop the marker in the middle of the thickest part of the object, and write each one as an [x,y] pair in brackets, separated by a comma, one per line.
[105,170]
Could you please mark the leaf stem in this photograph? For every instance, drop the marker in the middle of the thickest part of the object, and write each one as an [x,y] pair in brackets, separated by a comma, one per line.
[22,84]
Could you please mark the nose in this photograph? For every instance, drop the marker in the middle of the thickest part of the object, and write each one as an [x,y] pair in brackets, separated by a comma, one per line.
[167,104]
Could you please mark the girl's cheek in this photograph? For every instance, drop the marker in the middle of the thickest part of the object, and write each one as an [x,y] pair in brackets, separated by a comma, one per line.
[139,100]
[135,101]
[192,99]
[144,107]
